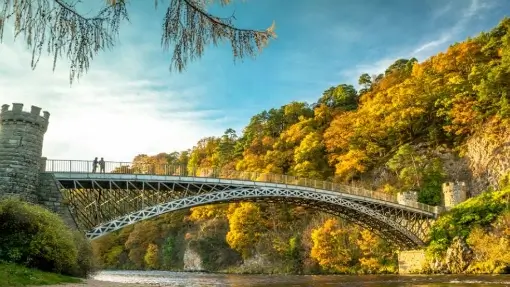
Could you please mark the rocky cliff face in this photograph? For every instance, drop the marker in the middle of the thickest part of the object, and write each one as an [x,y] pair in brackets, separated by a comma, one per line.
[192,260]
[488,156]
[456,260]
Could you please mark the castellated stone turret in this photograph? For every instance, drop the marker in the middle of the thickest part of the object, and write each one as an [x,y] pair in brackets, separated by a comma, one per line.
[21,143]
[453,194]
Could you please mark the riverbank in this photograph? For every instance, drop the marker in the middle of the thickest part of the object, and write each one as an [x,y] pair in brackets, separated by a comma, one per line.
[97,283]
[13,275]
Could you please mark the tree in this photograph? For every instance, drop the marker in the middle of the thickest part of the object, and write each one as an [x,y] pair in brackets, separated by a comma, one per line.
[151,257]
[245,228]
[366,82]
[342,96]
[58,26]
[331,246]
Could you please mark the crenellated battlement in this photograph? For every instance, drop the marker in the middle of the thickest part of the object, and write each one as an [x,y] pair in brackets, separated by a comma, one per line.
[17,115]
[406,197]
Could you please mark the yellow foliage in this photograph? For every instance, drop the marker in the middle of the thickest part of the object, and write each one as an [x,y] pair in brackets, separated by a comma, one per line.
[491,249]
[329,246]
[351,163]
[246,226]
[207,212]
[152,256]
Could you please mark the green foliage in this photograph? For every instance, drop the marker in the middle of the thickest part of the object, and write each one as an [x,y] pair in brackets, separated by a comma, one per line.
[35,237]
[16,275]
[343,97]
[168,252]
[433,177]
[420,172]
[460,220]
[295,255]
[85,263]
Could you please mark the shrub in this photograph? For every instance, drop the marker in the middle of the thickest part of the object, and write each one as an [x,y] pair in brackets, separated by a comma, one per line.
[482,211]
[35,237]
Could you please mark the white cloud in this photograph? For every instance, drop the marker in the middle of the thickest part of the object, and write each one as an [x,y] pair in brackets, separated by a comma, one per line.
[114,111]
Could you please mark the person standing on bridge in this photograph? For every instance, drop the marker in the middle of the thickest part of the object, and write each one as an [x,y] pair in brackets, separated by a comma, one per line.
[94,165]
[101,166]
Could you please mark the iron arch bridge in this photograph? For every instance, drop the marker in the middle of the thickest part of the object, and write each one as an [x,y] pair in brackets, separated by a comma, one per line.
[101,203]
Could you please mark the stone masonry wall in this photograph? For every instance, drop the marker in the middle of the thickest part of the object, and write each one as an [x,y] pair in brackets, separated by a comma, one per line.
[405,197]
[21,141]
[50,197]
[411,261]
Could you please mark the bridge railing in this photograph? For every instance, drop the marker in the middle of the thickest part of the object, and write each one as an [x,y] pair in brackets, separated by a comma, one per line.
[82,166]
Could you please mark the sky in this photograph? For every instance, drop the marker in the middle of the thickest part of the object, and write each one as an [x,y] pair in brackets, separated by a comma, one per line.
[129,102]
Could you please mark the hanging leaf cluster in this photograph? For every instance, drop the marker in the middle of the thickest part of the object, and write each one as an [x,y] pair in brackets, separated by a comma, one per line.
[56,27]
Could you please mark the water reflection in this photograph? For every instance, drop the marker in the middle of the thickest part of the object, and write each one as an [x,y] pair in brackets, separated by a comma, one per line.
[175,279]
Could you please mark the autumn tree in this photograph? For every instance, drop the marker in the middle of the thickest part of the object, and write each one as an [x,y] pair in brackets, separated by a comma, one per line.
[376,254]
[58,27]
[139,240]
[332,246]
[151,257]
[245,228]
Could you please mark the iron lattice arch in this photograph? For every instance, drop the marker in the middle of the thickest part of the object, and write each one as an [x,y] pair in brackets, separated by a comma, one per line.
[103,203]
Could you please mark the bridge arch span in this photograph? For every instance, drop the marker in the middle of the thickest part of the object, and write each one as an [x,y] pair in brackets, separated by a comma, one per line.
[330,203]
[103,203]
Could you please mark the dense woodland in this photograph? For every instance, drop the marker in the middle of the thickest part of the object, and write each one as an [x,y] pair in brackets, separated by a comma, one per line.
[411,128]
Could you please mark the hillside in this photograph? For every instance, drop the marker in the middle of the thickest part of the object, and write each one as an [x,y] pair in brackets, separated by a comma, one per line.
[411,128]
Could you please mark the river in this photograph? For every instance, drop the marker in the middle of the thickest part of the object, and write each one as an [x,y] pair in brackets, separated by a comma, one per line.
[174,279]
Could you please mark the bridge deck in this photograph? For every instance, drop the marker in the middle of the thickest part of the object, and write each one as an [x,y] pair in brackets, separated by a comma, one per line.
[166,182]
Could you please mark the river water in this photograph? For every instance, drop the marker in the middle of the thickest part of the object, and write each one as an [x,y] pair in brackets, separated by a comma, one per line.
[165,278]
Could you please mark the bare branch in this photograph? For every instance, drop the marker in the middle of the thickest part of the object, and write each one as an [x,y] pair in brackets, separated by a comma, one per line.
[57,26]
[190,28]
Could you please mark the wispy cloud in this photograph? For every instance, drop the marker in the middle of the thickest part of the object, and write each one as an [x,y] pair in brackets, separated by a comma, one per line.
[474,9]
[113,111]
[442,11]
[428,48]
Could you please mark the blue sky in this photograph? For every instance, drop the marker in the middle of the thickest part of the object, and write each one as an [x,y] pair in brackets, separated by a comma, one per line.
[130,103]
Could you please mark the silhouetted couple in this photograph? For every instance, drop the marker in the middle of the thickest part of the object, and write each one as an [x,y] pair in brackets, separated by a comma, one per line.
[95,163]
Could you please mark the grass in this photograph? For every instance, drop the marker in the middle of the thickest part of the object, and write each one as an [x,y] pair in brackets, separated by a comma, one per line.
[12,275]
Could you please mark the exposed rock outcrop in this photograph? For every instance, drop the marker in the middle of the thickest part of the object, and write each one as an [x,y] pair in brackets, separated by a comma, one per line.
[192,260]
[456,260]
[488,155]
